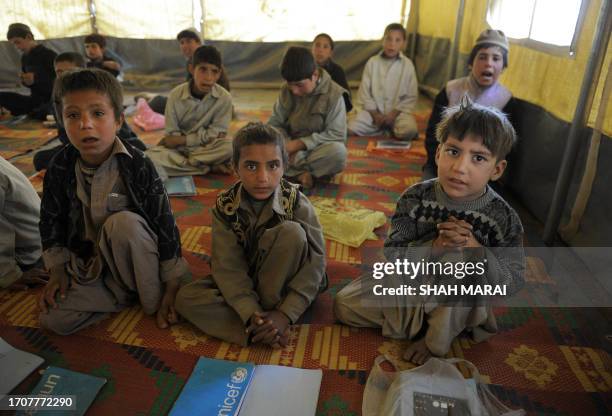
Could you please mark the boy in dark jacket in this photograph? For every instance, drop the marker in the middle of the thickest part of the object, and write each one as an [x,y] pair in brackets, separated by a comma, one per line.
[36,74]
[108,233]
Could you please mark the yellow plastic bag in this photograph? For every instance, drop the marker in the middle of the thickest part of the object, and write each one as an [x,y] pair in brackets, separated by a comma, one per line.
[347,225]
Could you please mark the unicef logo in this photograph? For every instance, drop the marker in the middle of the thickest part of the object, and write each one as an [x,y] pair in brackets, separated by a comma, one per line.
[239,375]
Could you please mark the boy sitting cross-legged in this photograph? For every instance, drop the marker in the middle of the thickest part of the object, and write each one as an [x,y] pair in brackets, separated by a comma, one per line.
[456,214]
[108,233]
[268,251]
[198,114]
[388,91]
[310,111]
[36,74]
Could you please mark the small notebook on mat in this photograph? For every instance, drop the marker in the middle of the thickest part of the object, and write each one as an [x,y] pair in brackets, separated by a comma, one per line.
[81,388]
[393,144]
[180,186]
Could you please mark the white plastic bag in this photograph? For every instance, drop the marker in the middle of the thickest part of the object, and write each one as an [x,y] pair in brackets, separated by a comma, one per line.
[438,383]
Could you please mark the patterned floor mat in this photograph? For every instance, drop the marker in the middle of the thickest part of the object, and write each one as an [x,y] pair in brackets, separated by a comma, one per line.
[547,361]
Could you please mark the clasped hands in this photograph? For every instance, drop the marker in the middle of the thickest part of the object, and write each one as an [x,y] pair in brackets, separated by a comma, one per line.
[270,327]
[384,120]
[455,234]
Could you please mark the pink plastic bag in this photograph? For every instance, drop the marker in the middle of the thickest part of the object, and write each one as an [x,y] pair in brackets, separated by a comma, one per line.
[147,119]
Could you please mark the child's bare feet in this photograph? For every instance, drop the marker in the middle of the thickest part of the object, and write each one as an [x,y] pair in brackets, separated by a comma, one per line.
[417,353]
[306,180]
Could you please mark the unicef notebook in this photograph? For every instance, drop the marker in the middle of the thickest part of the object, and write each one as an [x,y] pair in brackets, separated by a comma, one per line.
[214,387]
[56,381]
[228,388]
[16,365]
[297,390]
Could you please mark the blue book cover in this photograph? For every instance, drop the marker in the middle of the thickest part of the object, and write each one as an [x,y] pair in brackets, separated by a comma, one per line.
[57,381]
[180,186]
[215,387]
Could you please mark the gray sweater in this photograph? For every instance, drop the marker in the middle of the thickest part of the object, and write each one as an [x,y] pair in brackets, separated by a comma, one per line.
[495,225]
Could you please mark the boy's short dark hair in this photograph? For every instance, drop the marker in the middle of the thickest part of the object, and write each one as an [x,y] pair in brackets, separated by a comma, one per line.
[96,38]
[487,39]
[298,64]
[72,57]
[258,133]
[395,26]
[18,30]
[468,118]
[207,54]
[189,34]
[326,36]
[94,79]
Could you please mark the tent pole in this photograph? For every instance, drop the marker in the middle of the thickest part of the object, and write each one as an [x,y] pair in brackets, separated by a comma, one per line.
[452,67]
[202,26]
[583,108]
[413,17]
[91,5]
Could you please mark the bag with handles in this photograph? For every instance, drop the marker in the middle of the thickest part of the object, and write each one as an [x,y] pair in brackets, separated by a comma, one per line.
[434,388]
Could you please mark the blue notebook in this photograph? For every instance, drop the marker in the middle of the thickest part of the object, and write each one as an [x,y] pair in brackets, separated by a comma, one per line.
[57,381]
[180,186]
[214,387]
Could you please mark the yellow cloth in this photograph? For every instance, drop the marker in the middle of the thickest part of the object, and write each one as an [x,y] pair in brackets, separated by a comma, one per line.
[347,225]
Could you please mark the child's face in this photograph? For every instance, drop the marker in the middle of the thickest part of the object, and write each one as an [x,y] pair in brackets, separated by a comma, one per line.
[488,65]
[188,46]
[393,43]
[90,123]
[205,76]
[23,44]
[305,86]
[94,51]
[64,66]
[465,167]
[322,50]
[260,169]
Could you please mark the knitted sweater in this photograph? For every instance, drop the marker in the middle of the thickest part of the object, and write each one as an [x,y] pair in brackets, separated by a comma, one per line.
[495,225]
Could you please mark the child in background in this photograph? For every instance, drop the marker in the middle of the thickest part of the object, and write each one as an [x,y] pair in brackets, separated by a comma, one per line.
[64,62]
[488,59]
[108,233]
[189,40]
[310,111]
[457,213]
[268,251]
[388,91]
[37,75]
[95,48]
[198,114]
[323,50]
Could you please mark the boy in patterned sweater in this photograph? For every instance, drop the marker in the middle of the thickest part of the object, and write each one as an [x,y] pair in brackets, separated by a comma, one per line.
[456,214]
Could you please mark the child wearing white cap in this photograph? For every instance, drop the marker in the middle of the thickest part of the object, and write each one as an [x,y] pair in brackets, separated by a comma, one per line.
[488,59]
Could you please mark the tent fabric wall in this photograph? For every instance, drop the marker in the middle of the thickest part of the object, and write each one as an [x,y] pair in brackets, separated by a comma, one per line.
[154,19]
[158,64]
[47,18]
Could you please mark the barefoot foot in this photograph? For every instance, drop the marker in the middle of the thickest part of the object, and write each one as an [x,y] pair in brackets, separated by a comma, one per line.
[306,180]
[417,353]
